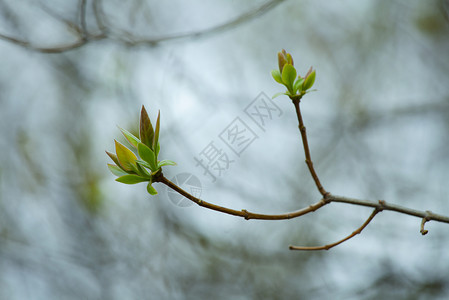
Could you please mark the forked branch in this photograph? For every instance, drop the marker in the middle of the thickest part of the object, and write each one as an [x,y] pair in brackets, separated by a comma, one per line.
[327,198]
[328,246]
[380,206]
[108,30]
[147,168]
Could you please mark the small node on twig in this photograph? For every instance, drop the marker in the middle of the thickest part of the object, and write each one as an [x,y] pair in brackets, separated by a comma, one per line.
[327,198]
[382,205]
[246,214]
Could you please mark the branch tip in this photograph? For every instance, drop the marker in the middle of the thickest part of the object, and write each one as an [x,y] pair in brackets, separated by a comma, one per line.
[426,219]
[353,234]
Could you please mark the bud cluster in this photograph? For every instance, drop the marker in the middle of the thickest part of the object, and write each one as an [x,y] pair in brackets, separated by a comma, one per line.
[128,167]
[286,75]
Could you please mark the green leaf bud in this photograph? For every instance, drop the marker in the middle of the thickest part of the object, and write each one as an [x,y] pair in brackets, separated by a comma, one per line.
[309,80]
[146,129]
[131,179]
[289,76]
[126,158]
[151,190]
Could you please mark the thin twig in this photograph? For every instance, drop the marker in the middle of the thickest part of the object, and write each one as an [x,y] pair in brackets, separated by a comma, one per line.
[98,15]
[423,231]
[241,213]
[57,49]
[429,216]
[302,130]
[82,36]
[424,221]
[83,23]
[239,20]
[329,246]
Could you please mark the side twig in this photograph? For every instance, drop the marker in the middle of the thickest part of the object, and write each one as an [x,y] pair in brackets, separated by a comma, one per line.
[329,246]
[302,130]
[424,221]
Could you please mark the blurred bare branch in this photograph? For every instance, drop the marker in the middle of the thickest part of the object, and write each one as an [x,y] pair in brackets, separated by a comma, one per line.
[82,13]
[108,31]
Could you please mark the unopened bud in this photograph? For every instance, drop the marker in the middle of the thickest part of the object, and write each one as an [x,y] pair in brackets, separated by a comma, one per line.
[283,59]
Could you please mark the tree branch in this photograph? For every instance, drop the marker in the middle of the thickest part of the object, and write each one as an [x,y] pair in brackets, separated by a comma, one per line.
[82,35]
[243,18]
[327,247]
[327,198]
[383,205]
[380,206]
[108,32]
[240,213]
[82,16]
[302,130]
[295,93]
[57,49]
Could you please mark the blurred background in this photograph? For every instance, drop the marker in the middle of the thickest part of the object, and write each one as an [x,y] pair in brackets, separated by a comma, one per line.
[377,126]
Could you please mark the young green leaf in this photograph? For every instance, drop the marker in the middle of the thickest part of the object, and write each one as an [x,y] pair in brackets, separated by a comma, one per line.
[117,171]
[308,72]
[277,76]
[151,190]
[113,157]
[288,76]
[289,58]
[158,148]
[282,60]
[147,165]
[144,163]
[131,179]
[309,81]
[146,129]
[131,138]
[156,131]
[277,95]
[126,158]
[165,162]
[148,156]
[297,86]
[141,169]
